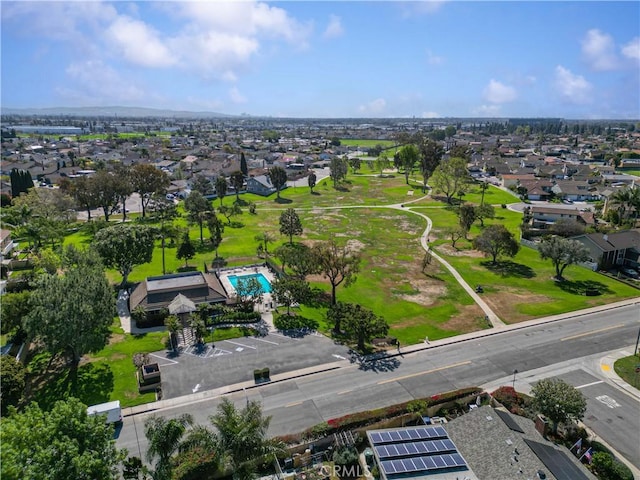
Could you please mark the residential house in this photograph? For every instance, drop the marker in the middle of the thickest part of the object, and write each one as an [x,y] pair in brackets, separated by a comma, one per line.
[6,245]
[485,443]
[260,185]
[575,191]
[156,293]
[613,249]
[538,189]
[543,217]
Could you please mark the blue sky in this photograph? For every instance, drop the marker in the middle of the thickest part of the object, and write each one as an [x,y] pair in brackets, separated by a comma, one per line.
[327,59]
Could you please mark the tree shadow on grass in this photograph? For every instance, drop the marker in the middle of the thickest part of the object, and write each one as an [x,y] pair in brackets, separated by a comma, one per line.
[283,201]
[317,194]
[91,384]
[590,288]
[507,268]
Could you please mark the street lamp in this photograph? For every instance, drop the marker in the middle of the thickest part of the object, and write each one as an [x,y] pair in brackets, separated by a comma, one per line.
[513,384]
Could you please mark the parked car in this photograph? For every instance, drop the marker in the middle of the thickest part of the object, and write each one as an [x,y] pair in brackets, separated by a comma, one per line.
[630,272]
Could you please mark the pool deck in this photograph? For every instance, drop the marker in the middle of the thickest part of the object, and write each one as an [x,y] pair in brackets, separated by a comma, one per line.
[224,275]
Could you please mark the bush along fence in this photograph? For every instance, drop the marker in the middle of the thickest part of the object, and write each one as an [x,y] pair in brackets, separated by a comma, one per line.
[406,411]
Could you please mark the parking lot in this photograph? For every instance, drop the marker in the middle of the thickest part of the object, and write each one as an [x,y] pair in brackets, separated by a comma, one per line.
[232,361]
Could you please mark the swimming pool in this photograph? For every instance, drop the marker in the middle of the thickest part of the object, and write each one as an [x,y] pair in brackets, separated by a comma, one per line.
[264,283]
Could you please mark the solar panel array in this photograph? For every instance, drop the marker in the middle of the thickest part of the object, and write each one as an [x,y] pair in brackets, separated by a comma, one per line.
[420,464]
[412,450]
[408,435]
[415,448]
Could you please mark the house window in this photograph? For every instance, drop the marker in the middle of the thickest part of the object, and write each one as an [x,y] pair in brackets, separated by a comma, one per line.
[620,257]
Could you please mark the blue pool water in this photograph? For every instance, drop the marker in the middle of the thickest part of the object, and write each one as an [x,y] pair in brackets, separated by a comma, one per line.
[264,283]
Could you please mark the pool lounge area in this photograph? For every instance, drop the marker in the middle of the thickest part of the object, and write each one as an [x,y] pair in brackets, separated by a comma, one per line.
[229,278]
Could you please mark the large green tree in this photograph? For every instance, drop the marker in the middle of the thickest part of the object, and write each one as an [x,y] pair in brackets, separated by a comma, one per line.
[237,182]
[243,165]
[243,437]
[496,240]
[338,264]
[339,168]
[359,323]
[14,307]
[105,187]
[450,177]
[311,180]
[278,177]
[186,250]
[164,212]
[72,312]
[61,444]
[198,210]
[290,224]
[216,229]
[290,290]
[562,252]
[559,401]
[82,192]
[125,245]
[148,180]
[221,187]
[408,156]
[13,382]
[430,157]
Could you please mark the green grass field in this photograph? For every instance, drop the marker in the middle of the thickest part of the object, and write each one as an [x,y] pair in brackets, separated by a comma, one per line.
[365,142]
[391,280]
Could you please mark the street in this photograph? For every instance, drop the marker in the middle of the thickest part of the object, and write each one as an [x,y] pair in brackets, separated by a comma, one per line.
[554,348]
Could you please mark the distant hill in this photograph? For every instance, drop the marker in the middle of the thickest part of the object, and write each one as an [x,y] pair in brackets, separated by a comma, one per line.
[125,112]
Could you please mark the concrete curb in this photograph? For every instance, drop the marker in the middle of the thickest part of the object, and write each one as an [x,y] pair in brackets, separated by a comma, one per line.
[250,385]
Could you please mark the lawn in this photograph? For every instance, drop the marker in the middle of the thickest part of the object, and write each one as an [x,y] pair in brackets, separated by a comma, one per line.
[365,142]
[107,375]
[627,367]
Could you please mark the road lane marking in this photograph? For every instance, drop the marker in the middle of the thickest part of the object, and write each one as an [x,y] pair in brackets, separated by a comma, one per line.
[344,391]
[591,332]
[590,384]
[425,372]
[265,341]
[240,345]
[293,404]
[338,356]
[608,401]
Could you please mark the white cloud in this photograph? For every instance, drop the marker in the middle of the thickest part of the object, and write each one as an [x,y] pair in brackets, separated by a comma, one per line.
[236,96]
[632,49]
[139,43]
[375,107]
[430,115]
[92,80]
[573,88]
[486,110]
[433,59]
[334,28]
[497,92]
[599,50]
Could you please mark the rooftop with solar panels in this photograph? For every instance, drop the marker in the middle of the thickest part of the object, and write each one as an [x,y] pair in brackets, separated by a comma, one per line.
[416,452]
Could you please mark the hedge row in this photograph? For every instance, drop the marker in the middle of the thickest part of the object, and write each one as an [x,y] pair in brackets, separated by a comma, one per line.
[289,322]
[361,419]
[236,317]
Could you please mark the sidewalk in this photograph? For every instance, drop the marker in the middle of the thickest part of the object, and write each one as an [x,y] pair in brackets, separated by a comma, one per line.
[238,387]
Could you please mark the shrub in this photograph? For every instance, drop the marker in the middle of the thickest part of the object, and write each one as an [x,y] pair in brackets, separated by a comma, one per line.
[288,322]
[608,468]
[139,315]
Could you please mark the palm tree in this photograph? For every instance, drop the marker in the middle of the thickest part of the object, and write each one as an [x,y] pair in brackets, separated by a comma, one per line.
[172,322]
[242,436]
[265,238]
[164,436]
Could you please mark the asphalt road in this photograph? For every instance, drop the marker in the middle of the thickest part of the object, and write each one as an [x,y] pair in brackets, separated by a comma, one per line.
[552,348]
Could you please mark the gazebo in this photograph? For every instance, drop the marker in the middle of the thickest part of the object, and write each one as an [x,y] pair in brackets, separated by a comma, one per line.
[182,307]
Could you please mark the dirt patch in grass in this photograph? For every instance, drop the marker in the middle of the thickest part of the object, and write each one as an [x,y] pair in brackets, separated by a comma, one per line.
[426,292]
[116,338]
[467,320]
[505,303]
[449,250]
[354,245]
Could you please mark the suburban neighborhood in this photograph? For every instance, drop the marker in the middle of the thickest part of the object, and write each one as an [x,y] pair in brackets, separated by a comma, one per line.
[148,264]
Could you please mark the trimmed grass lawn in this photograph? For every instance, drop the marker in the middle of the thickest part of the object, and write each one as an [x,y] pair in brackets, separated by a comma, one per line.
[626,369]
[391,281]
[365,142]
